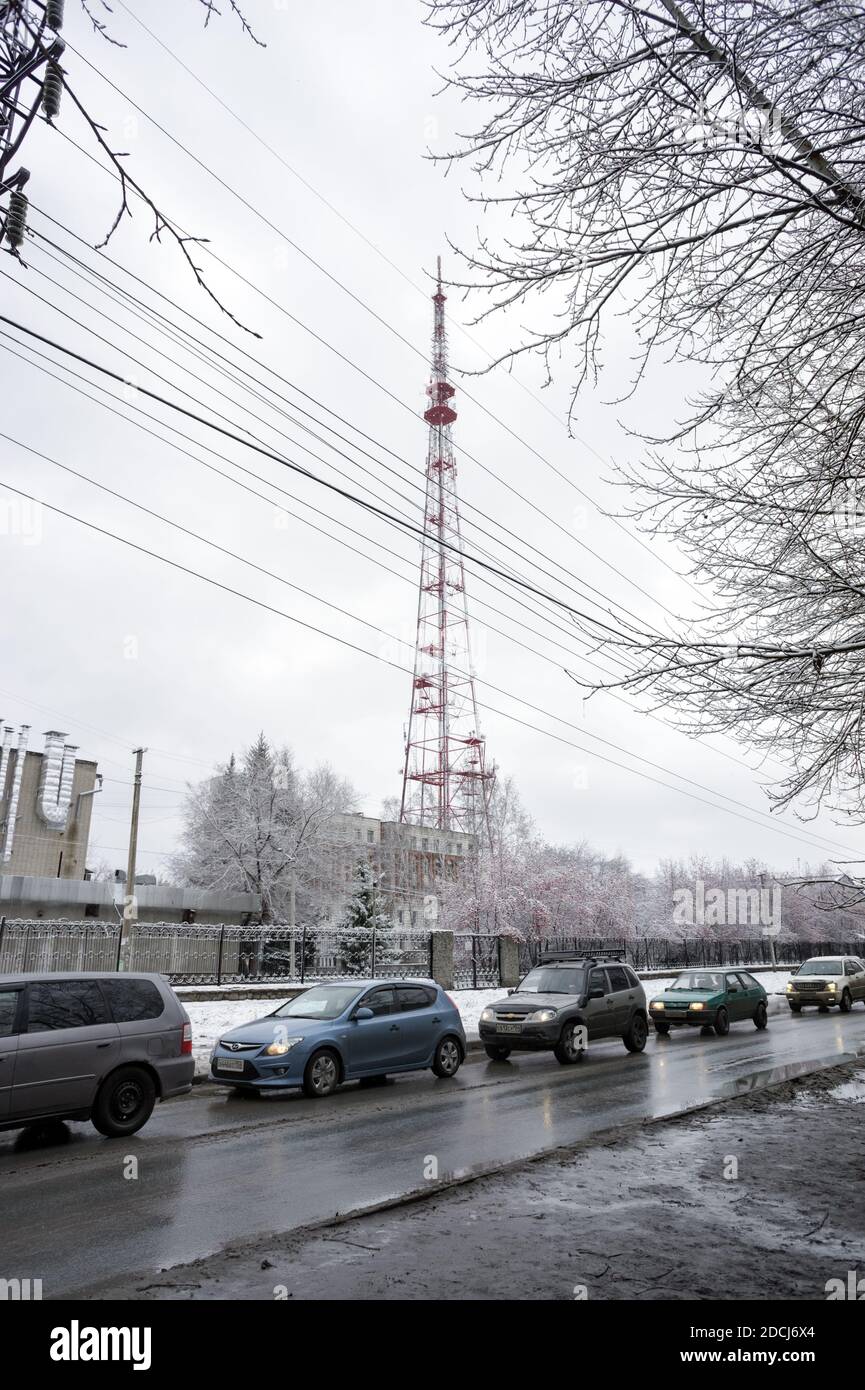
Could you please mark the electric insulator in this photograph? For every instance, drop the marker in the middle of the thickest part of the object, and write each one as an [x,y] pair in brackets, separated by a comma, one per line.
[54,14]
[52,87]
[16,218]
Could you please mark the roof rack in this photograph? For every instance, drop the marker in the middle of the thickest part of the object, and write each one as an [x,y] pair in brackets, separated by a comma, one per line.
[548,957]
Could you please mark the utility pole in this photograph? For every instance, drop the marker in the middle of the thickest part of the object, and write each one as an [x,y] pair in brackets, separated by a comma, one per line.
[30,78]
[130,905]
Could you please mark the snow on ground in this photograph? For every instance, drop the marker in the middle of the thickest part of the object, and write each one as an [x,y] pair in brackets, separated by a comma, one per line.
[853,1090]
[211,1018]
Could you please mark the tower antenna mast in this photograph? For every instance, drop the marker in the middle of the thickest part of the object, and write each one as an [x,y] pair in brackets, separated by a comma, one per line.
[446,781]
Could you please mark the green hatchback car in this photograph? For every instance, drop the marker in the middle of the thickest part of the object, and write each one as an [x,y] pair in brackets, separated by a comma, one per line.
[710,999]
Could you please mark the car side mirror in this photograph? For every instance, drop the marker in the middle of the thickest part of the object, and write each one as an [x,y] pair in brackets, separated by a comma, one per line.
[596,994]
[362,1012]
[511,991]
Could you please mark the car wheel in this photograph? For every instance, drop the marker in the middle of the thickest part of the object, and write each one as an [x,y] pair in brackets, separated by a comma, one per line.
[124,1102]
[795,1008]
[497,1054]
[663,1029]
[447,1059]
[638,1031]
[722,1023]
[761,1016]
[321,1074]
[568,1050]
[846,1002]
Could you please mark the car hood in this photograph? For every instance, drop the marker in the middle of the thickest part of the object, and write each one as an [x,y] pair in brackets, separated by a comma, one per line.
[262,1029]
[817,979]
[527,1003]
[691,996]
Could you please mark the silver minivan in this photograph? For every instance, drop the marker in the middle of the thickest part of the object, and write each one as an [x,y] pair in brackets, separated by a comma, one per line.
[91,1046]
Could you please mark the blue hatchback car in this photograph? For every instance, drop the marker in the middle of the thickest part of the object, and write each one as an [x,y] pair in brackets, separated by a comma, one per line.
[344,1032]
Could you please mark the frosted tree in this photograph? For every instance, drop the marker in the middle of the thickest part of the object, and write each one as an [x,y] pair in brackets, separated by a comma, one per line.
[362,916]
[262,826]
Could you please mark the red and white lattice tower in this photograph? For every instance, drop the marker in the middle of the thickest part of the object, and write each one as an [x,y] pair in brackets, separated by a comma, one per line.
[446,783]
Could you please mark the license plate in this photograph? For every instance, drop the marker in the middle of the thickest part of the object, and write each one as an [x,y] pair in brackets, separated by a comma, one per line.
[509,1027]
[229,1063]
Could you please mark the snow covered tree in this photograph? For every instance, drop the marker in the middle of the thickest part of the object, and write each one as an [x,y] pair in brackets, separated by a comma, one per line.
[363,914]
[262,826]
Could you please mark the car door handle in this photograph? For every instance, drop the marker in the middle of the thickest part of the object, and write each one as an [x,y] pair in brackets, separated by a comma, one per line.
[105,1044]
[394,1027]
[436,1019]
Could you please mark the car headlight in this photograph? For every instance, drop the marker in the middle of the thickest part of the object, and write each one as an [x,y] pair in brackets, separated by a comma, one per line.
[833,985]
[696,1006]
[488,1016]
[541,1016]
[279,1049]
[657,1004]
[789,987]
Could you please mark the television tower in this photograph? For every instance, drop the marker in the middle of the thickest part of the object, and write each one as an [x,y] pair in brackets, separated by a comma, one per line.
[446,784]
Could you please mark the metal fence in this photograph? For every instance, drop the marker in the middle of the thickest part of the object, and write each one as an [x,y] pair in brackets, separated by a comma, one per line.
[215,955]
[665,953]
[477,962]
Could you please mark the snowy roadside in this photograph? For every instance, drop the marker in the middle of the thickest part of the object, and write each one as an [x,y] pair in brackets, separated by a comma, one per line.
[212,1018]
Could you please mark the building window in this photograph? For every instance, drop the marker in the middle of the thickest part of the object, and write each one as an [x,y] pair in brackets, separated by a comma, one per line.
[414,919]
[425,844]
[414,841]
[370,835]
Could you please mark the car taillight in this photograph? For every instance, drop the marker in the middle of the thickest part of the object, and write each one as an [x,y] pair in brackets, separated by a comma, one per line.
[186,1040]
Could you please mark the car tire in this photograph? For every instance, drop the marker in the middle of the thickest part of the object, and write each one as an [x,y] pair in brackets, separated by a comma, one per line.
[795,1008]
[497,1054]
[448,1058]
[663,1029]
[846,1003]
[722,1023]
[761,1016]
[638,1032]
[124,1102]
[566,1050]
[321,1074]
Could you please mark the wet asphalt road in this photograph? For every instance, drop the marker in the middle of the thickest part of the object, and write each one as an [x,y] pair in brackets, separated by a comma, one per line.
[213,1169]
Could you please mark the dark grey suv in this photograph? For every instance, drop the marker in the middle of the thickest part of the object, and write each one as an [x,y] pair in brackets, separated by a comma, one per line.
[91,1046]
[565,1001]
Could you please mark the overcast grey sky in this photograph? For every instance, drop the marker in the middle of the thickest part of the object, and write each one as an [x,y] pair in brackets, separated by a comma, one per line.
[118,649]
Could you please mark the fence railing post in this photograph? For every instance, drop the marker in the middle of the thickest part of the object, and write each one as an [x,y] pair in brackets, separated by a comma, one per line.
[2,931]
[302,953]
[219,957]
[372,972]
[474,962]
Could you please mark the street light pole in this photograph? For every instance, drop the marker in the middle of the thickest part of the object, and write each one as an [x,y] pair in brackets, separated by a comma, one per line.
[130,905]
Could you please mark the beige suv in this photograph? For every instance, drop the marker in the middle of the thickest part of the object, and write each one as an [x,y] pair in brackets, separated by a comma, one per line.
[827,981]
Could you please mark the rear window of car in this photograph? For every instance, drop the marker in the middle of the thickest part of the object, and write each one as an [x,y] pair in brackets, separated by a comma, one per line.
[65,1004]
[632,978]
[618,978]
[8,1010]
[410,997]
[132,1000]
[748,980]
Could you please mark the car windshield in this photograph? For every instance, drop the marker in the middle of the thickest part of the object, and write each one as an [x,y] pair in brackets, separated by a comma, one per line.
[546,980]
[324,1001]
[821,967]
[698,979]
